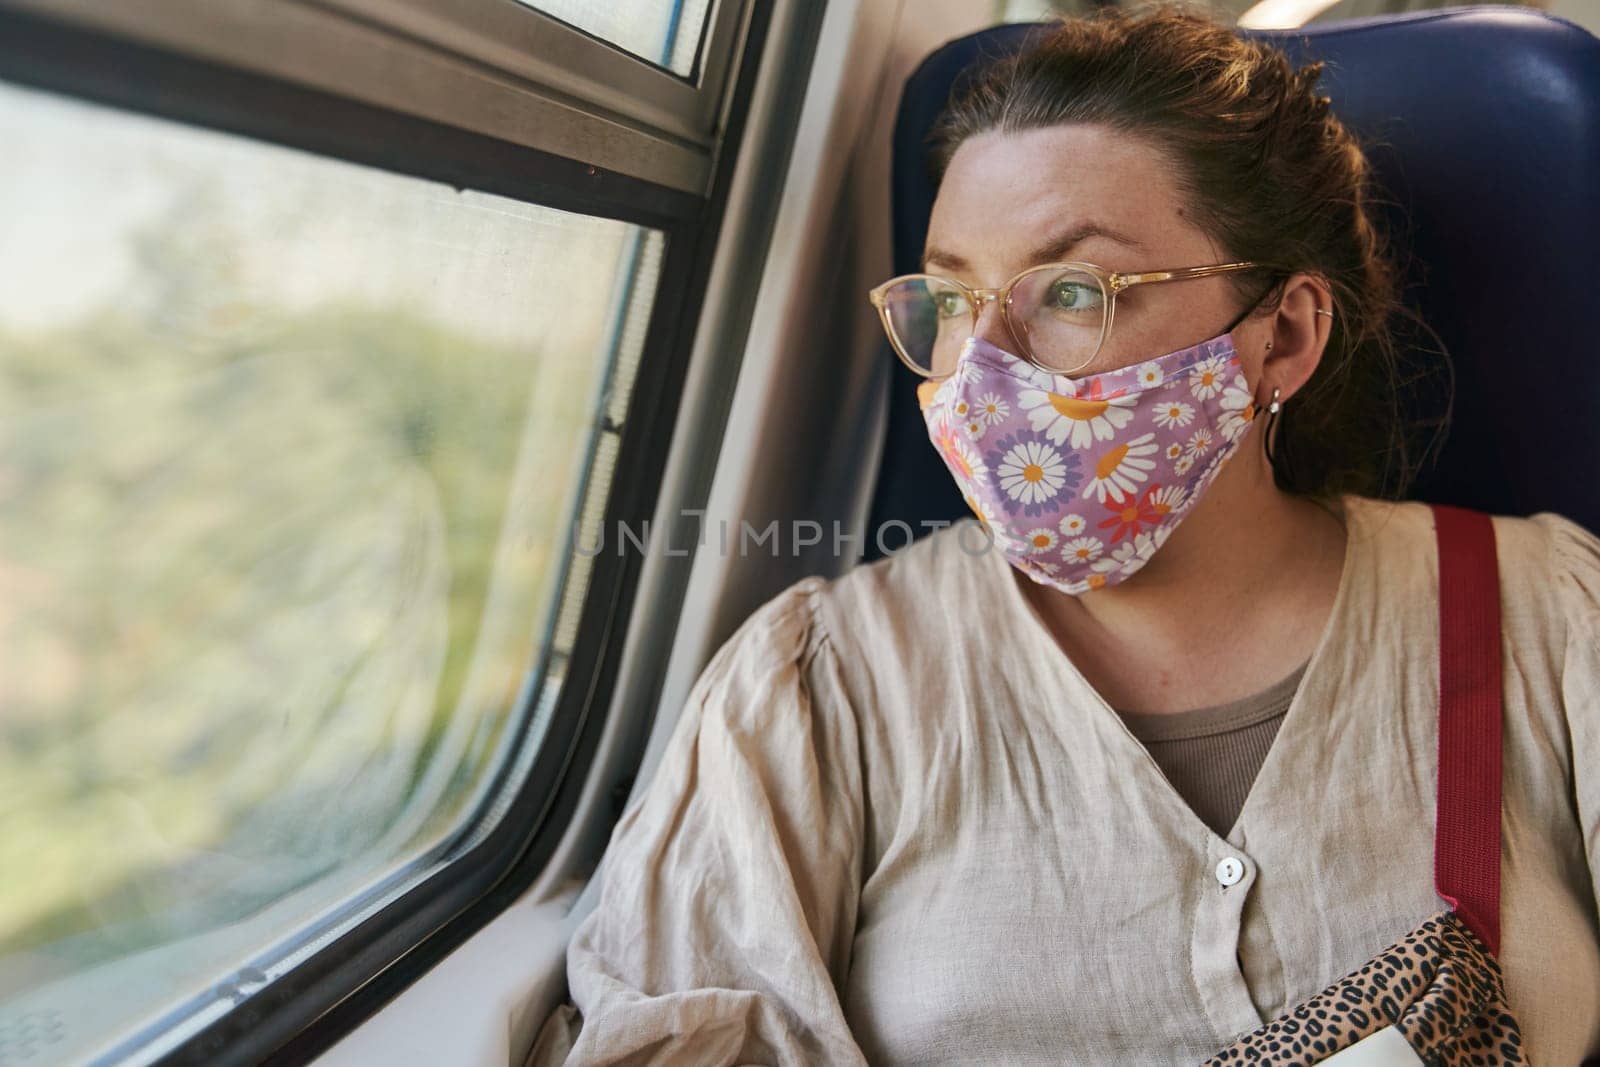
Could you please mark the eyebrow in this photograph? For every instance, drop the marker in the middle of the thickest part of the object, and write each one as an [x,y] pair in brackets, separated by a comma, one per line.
[1049,252]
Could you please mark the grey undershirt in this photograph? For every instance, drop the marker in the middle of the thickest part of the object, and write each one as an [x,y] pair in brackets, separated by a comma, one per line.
[1211,755]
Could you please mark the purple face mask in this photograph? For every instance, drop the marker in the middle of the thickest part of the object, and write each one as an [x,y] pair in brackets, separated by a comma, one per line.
[1081,480]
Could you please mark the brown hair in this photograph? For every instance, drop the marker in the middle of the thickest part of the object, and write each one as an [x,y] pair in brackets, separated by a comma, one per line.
[1275,179]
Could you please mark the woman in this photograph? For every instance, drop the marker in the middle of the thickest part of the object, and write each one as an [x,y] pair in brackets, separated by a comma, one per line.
[1161,765]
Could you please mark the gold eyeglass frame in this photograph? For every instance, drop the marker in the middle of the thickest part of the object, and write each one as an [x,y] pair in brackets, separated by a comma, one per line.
[1111,283]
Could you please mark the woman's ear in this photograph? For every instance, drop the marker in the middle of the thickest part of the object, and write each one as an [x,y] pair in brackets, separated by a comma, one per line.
[1297,332]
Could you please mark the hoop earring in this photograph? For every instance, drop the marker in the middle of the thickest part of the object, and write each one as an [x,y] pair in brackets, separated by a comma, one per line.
[1274,408]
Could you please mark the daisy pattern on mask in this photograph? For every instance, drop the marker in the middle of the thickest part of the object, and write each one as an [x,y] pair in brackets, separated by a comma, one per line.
[965,462]
[1112,563]
[944,437]
[1238,409]
[1142,472]
[1172,414]
[1031,473]
[1011,536]
[1129,515]
[1082,550]
[1002,535]
[1151,374]
[1077,421]
[966,372]
[993,409]
[1206,378]
[1119,468]
[1030,376]
[1130,555]
[1041,540]
[1165,499]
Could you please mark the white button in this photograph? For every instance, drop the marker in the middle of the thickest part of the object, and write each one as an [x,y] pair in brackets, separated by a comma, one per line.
[1229,871]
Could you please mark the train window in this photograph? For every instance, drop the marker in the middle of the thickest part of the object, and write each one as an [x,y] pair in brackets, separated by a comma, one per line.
[320,367]
[666,32]
[289,452]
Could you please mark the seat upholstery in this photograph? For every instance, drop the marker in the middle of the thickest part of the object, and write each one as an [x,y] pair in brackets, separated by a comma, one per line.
[1484,126]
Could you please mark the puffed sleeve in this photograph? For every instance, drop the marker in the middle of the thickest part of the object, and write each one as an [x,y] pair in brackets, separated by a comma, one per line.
[1576,555]
[728,898]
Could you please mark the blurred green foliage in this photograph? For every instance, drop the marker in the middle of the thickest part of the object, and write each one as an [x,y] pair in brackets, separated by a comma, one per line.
[245,558]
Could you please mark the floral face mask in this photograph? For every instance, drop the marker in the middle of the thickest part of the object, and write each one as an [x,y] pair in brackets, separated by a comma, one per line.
[1081,480]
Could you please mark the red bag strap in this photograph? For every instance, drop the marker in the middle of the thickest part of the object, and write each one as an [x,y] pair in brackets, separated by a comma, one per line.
[1466,841]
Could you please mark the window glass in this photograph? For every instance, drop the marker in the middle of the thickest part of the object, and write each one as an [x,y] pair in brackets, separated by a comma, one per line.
[665,32]
[291,451]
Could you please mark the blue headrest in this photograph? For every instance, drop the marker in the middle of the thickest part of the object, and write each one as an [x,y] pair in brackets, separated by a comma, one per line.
[1486,128]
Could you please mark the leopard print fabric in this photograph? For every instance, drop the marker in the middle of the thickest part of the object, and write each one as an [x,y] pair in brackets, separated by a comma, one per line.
[1439,986]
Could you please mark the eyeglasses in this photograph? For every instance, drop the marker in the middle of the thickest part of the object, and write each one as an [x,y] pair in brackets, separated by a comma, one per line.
[1060,313]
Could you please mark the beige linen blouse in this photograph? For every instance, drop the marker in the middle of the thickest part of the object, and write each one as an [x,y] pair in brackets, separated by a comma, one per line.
[895,825]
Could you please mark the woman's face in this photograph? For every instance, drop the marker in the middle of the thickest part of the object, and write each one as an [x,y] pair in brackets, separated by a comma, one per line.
[1010,201]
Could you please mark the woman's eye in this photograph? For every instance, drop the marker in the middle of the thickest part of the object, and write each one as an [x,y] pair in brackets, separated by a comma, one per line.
[1074,296]
[949,304]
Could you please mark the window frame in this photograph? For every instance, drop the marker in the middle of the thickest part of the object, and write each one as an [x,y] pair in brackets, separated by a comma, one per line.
[340,984]
[517,37]
[517,75]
